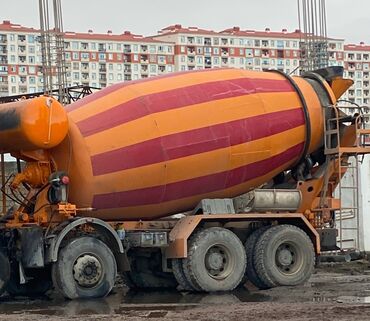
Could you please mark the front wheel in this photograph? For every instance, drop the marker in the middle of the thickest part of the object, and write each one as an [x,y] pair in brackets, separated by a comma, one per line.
[86,268]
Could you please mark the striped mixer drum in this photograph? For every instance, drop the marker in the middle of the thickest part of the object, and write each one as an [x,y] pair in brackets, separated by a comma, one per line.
[150,148]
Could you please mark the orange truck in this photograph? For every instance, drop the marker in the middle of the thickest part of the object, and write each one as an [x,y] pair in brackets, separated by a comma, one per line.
[248,161]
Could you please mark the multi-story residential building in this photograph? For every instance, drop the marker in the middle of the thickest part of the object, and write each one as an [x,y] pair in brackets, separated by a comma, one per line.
[198,48]
[357,63]
[99,60]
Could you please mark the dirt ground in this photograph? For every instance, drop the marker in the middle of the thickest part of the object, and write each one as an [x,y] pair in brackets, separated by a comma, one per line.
[335,292]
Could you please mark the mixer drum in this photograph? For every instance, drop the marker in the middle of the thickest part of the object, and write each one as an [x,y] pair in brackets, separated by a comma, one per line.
[150,148]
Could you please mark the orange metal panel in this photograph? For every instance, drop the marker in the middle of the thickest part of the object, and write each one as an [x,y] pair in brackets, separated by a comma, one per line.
[185,227]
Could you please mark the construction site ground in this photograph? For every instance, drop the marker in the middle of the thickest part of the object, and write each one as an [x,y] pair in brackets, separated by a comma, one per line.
[337,291]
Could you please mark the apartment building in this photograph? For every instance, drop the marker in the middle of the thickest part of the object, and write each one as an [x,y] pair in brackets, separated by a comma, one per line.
[357,62]
[255,50]
[98,60]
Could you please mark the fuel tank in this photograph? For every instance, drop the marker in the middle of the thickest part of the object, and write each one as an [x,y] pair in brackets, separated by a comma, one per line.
[150,148]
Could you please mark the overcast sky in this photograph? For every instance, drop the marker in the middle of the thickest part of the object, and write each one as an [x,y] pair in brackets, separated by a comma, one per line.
[349,19]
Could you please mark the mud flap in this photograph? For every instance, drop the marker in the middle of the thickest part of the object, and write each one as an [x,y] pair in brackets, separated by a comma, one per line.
[328,239]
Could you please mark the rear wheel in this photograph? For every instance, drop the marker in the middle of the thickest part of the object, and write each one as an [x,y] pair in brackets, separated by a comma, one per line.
[250,247]
[86,268]
[284,255]
[178,272]
[216,260]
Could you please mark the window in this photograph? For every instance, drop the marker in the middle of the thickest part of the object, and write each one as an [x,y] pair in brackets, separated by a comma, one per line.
[256,43]
[152,49]
[153,68]
[241,51]
[216,60]
[135,48]
[93,46]
[31,38]
[232,51]
[182,39]
[93,66]
[199,60]
[102,56]
[110,67]
[110,76]
[76,75]
[216,51]
[74,45]
[76,66]
[216,41]
[75,56]
[249,52]
[241,61]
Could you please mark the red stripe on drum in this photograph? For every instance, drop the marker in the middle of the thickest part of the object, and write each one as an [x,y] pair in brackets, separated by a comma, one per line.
[196,186]
[196,141]
[177,98]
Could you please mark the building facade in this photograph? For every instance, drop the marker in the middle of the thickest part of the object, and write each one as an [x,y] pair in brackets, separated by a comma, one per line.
[99,60]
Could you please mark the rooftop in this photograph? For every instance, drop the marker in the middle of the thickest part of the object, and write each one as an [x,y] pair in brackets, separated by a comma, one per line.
[360,47]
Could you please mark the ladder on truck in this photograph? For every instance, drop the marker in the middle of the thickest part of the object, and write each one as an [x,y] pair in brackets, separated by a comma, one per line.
[346,174]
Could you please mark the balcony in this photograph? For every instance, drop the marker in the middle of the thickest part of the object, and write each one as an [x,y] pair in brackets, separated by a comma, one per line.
[144,49]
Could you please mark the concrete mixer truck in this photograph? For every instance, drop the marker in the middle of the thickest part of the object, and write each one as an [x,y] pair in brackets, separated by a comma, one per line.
[198,180]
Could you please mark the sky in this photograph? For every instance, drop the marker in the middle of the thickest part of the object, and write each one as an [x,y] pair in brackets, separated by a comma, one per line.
[348,19]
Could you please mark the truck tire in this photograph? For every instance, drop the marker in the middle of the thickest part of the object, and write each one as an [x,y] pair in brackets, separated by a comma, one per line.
[38,284]
[178,272]
[216,260]
[86,268]
[284,256]
[4,272]
[250,247]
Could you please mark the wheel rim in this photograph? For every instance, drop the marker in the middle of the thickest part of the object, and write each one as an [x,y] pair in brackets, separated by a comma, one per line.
[219,262]
[288,258]
[87,270]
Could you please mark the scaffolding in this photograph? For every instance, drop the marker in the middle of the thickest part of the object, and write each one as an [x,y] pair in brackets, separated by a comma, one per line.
[52,49]
[314,40]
